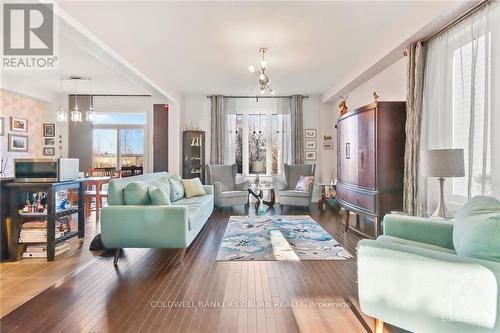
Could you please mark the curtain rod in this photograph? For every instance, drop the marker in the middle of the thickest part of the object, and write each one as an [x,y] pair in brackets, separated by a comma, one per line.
[459,19]
[111,95]
[257,96]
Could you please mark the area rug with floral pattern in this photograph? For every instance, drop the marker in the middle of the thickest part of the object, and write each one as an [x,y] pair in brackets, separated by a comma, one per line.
[281,237]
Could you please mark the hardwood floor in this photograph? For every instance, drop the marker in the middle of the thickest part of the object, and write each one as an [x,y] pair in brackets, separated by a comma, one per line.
[150,291]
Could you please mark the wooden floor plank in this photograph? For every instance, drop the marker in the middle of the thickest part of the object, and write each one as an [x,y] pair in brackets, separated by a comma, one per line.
[102,298]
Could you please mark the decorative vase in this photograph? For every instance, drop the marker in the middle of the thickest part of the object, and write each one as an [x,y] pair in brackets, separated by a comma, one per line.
[258,166]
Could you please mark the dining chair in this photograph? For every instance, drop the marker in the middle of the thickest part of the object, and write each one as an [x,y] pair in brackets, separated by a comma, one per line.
[98,192]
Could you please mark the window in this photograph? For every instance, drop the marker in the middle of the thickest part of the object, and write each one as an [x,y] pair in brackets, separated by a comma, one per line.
[256,139]
[471,90]
[118,140]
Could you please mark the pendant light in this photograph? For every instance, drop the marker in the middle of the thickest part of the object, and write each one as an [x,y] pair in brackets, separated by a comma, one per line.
[62,115]
[76,115]
[90,114]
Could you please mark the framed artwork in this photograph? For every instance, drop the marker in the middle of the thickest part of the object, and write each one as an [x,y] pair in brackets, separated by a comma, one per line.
[327,138]
[2,126]
[328,145]
[50,141]
[18,143]
[310,144]
[311,133]
[310,155]
[49,151]
[18,124]
[49,130]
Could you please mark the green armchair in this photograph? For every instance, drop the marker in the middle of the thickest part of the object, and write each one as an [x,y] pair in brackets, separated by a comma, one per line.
[412,277]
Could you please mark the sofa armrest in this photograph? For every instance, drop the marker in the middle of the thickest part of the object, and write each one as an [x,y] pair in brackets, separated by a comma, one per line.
[145,226]
[209,189]
[243,186]
[424,230]
[422,290]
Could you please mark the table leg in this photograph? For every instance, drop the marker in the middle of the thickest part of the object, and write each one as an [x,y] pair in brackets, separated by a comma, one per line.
[81,212]
[271,202]
[347,216]
[51,225]
[97,201]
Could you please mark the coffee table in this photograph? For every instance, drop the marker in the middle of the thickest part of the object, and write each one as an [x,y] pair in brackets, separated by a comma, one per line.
[260,189]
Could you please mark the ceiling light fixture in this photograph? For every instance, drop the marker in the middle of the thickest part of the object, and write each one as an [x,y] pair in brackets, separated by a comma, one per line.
[264,80]
[76,115]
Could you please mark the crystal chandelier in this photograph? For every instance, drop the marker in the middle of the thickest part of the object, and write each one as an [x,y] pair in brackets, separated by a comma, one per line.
[264,80]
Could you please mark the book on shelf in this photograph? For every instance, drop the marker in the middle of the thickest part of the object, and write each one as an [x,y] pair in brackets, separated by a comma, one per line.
[40,250]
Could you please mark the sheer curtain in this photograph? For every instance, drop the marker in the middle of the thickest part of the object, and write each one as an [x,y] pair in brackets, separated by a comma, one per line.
[461,107]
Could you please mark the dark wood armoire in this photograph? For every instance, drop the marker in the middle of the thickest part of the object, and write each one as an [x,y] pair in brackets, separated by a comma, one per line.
[370,161]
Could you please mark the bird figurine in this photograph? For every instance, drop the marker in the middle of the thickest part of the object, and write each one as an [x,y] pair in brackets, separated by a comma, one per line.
[343,105]
[375,96]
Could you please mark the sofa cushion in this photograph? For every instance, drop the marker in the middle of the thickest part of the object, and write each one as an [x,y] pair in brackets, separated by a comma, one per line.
[476,232]
[293,193]
[193,187]
[396,240]
[176,188]
[158,196]
[196,207]
[136,193]
[162,183]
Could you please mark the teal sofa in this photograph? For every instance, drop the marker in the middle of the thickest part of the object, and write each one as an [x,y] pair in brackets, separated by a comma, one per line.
[148,226]
[413,278]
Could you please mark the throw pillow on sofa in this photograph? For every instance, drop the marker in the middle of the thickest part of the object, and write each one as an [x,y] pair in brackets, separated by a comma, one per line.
[476,232]
[176,188]
[162,183]
[193,187]
[136,193]
[158,196]
[304,184]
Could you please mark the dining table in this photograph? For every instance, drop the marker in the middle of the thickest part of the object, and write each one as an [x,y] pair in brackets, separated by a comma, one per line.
[98,182]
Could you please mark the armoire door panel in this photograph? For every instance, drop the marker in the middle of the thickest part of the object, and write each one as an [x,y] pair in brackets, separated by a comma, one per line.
[366,149]
[342,167]
[352,145]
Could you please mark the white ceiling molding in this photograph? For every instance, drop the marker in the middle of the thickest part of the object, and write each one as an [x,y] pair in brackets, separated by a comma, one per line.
[344,86]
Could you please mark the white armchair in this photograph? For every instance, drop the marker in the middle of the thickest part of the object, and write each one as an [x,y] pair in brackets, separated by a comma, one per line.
[226,191]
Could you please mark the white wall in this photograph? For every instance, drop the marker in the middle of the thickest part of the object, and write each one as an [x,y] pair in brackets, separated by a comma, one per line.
[390,85]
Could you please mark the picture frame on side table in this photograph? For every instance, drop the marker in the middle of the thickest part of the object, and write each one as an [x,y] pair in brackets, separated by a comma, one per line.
[18,124]
[310,144]
[17,143]
[310,133]
[49,151]
[328,145]
[310,156]
[50,141]
[49,130]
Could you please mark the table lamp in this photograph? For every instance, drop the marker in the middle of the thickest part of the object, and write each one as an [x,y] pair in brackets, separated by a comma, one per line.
[442,163]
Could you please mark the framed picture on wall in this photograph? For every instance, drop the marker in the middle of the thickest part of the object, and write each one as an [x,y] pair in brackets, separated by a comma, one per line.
[49,130]
[18,124]
[2,126]
[18,143]
[49,151]
[50,141]
[310,144]
[328,145]
[310,133]
[310,155]
[327,138]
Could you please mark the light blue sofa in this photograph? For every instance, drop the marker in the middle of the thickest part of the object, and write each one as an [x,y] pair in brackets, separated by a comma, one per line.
[169,226]
[413,278]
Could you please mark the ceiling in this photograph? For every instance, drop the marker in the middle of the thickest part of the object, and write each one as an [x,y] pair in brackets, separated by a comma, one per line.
[206,47]
[74,60]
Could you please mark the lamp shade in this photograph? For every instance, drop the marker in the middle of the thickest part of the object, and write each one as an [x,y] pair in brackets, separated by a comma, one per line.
[442,163]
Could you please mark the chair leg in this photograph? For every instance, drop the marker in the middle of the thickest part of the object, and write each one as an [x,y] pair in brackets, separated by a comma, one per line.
[378,326]
[347,216]
[117,255]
